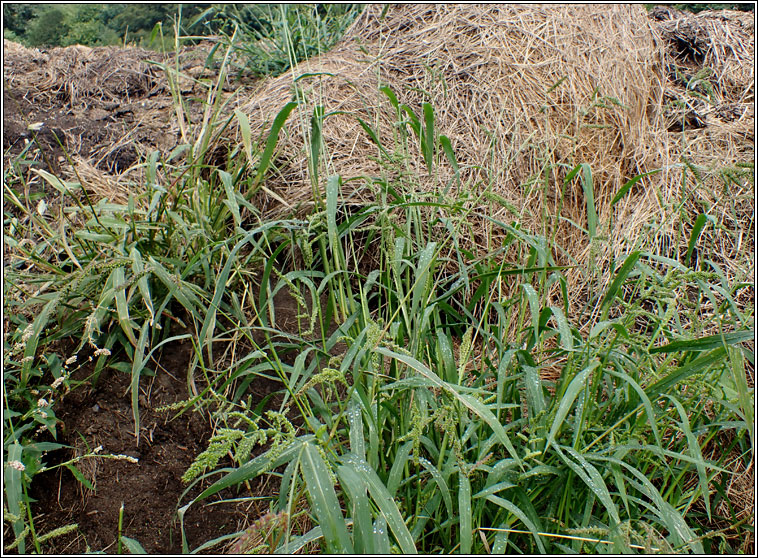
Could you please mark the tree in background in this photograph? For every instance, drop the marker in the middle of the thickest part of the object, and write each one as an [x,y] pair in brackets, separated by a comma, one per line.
[91,24]
[48,28]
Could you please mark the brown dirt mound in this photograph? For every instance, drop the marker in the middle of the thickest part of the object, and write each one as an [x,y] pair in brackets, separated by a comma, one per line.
[109,108]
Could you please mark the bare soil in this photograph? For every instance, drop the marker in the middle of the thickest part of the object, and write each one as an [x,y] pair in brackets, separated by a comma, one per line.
[150,490]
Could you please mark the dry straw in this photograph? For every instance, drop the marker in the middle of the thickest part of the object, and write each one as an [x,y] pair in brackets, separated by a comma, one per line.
[525,92]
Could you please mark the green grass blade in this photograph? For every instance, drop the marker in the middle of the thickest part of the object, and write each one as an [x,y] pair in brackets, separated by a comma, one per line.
[706,343]
[13,492]
[398,464]
[244,127]
[144,288]
[534,309]
[464,513]
[231,196]
[645,401]
[567,340]
[621,276]
[592,478]
[515,510]
[332,194]
[255,467]
[357,442]
[137,367]
[744,397]
[444,489]
[324,502]
[589,196]
[38,325]
[385,502]
[316,138]
[121,307]
[447,148]
[374,137]
[271,141]
[694,447]
[697,228]
[363,527]
[132,546]
[626,187]
[381,537]
[428,142]
[567,400]
[534,396]
[668,515]
[679,374]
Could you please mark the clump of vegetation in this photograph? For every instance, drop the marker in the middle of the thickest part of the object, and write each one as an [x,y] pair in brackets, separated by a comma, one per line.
[432,400]
[51,25]
[272,38]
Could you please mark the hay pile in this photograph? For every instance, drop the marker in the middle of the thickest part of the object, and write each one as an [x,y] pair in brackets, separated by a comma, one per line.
[81,75]
[525,93]
[110,107]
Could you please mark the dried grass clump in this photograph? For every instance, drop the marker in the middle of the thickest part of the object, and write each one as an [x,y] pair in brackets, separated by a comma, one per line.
[525,93]
[80,75]
[711,79]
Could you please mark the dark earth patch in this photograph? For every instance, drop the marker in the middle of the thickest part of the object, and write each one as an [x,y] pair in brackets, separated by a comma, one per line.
[151,489]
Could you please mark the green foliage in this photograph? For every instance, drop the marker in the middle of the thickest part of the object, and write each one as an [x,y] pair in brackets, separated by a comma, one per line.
[90,24]
[431,450]
[273,37]
[48,28]
[453,405]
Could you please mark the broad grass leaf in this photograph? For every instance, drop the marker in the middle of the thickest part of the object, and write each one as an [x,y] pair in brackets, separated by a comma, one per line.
[14,496]
[132,545]
[444,489]
[697,228]
[381,537]
[317,119]
[231,196]
[567,401]
[697,455]
[745,400]
[363,526]
[534,309]
[665,512]
[137,367]
[589,197]
[244,126]
[567,340]
[374,137]
[144,287]
[398,465]
[357,442]
[428,143]
[122,308]
[694,367]
[78,475]
[324,502]
[591,477]
[385,502]
[255,467]
[626,187]
[272,139]
[515,510]
[464,513]
[706,343]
